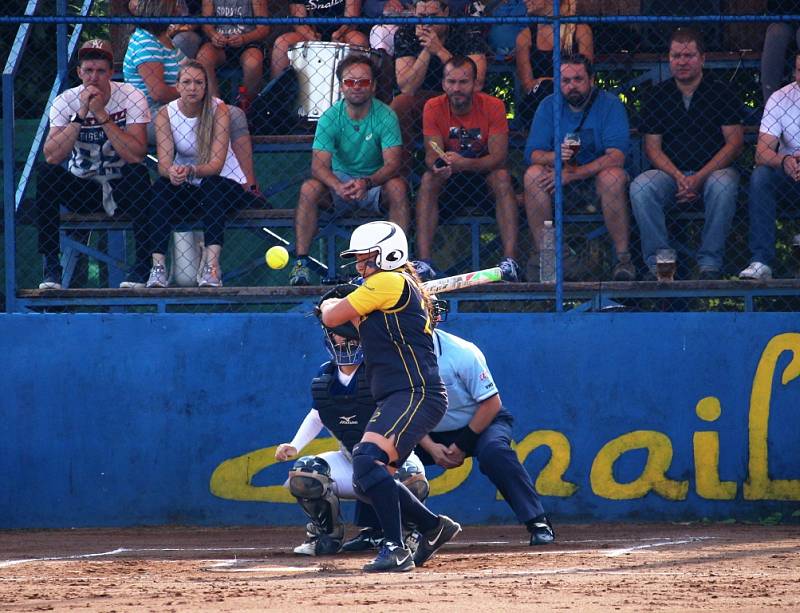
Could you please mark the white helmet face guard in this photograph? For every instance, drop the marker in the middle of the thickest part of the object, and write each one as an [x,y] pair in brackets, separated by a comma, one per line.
[385,238]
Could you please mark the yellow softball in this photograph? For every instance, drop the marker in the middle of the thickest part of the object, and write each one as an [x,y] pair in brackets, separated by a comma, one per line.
[277,257]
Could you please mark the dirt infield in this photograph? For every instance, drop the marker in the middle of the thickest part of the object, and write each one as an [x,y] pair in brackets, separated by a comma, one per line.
[597,567]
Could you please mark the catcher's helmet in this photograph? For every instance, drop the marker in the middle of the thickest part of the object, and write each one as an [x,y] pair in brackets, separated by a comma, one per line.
[312,464]
[385,238]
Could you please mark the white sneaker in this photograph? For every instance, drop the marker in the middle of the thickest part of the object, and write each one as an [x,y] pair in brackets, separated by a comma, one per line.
[757,272]
[309,548]
[158,277]
[210,277]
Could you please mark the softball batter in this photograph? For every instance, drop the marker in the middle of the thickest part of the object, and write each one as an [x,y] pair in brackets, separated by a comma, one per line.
[392,312]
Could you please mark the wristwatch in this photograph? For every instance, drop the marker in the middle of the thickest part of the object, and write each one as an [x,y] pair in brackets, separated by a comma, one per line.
[75,118]
[369,182]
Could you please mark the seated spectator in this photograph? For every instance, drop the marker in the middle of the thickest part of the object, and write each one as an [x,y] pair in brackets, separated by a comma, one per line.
[776,175]
[227,42]
[355,164]
[472,129]
[346,33]
[152,61]
[503,36]
[186,36]
[381,36]
[420,54]
[600,121]
[778,37]
[151,65]
[692,126]
[534,53]
[99,129]
[199,173]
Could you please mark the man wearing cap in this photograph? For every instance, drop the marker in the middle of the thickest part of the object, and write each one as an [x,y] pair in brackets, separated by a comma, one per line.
[98,130]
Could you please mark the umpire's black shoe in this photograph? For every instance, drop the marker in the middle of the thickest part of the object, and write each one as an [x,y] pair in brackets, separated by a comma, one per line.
[432,540]
[392,558]
[367,539]
[541,531]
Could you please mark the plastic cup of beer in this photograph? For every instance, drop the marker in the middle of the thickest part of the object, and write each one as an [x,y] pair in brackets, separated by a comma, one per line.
[666,265]
[573,141]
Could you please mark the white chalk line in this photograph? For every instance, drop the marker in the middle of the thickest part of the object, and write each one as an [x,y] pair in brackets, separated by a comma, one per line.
[228,566]
[125,550]
[626,550]
[538,551]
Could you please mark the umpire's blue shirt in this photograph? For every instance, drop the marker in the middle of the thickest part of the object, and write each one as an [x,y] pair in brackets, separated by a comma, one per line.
[463,369]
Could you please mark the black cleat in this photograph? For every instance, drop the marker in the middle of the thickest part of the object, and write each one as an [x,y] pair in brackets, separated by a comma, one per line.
[541,531]
[432,540]
[367,540]
[392,558]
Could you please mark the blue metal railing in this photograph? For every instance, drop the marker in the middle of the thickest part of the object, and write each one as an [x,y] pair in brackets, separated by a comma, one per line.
[9,210]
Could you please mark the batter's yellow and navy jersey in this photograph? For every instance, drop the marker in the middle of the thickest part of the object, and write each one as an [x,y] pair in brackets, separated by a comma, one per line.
[396,334]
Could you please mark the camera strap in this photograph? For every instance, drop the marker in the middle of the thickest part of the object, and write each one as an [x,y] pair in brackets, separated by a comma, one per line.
[592,98]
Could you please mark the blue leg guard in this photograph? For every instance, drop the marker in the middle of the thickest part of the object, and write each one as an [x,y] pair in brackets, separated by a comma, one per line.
[372,481]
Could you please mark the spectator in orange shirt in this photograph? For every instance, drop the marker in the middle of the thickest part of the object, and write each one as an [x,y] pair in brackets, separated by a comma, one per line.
[472,130]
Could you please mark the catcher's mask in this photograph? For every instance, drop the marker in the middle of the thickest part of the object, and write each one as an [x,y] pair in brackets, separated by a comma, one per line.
[343,351]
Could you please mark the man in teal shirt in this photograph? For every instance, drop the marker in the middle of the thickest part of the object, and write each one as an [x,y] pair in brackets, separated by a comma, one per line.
[355,164]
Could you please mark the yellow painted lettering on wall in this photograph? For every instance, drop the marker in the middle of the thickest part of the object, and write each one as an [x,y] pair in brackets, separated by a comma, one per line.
[233,479]
[706,456]
[549,482]
[653,477]
[759,486]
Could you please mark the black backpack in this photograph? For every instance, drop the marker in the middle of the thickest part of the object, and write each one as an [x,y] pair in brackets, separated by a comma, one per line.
[274,111]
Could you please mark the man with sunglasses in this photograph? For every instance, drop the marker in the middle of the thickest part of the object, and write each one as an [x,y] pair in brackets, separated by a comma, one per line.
[355,164]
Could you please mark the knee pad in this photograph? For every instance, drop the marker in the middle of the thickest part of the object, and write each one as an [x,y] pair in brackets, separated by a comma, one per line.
[369,467]
[310,482]
[414,479]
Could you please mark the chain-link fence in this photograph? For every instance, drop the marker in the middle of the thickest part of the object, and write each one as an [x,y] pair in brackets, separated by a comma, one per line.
[176,147]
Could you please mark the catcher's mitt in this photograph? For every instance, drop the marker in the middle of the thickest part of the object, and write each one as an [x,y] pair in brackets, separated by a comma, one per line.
[347,330]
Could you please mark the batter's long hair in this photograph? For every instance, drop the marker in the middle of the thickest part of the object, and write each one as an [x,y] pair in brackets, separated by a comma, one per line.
[204,129]
[427,301]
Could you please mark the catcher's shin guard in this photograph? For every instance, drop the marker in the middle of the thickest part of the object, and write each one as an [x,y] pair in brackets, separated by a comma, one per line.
[310,483]
[414,479]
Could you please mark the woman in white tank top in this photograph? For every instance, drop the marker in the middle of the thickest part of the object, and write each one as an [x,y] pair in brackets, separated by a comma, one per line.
[199,173]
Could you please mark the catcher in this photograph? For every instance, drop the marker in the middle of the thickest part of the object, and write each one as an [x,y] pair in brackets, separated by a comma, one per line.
[392,310]
[343,404]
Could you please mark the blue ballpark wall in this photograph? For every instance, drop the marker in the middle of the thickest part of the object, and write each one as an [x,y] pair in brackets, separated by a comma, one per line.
[124,419]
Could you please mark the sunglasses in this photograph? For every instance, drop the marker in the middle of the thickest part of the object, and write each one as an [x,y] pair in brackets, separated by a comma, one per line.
[356,82]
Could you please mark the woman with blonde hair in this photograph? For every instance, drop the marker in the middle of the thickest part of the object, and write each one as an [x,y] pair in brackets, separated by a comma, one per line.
[393,313]
[534,53]
[151,64]
[199,173]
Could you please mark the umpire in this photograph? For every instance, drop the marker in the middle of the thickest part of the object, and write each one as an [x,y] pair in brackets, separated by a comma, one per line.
[476,425]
